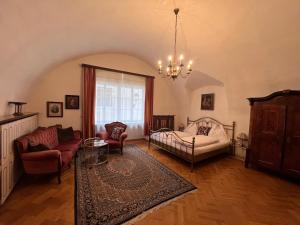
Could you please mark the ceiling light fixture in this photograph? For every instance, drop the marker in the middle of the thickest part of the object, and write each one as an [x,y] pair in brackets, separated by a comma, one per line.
[175,66]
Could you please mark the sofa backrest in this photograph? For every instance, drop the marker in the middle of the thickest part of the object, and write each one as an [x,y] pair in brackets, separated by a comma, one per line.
[42,135]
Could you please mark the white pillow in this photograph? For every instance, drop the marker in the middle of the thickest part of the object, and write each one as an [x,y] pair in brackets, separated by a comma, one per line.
[191,129]
[212,130]
[219,133]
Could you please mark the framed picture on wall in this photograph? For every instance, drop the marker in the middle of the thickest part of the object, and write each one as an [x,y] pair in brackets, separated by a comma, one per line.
[207,101]
[54,109]
[72,101]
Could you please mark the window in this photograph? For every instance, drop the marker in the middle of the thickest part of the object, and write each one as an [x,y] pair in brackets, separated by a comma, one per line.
[120,97]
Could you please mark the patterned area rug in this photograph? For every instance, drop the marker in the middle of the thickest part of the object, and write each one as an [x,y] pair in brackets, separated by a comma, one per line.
[123,188]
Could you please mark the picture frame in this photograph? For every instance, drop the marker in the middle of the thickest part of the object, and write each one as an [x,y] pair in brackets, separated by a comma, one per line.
[72,101]
[207,101]
[55,109]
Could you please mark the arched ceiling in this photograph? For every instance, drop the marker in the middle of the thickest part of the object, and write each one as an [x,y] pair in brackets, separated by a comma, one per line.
[225,38]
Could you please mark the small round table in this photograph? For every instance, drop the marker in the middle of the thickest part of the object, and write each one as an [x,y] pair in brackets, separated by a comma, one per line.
[95,151]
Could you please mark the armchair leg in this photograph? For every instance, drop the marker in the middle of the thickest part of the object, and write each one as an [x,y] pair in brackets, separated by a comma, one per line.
[58,177]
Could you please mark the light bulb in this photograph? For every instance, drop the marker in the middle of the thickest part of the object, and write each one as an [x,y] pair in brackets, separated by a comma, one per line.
[169,57]
[159,62]
[181,57]
[191,62]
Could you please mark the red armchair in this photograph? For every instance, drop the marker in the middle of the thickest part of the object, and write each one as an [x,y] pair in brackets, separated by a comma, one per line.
[107,135]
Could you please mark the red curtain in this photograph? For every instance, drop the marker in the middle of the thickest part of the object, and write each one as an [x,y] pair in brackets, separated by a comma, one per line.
[148,105]
[88,109]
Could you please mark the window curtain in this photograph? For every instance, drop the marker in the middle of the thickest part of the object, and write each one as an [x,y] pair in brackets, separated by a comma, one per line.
[88,109]
[120,97]
[148,105]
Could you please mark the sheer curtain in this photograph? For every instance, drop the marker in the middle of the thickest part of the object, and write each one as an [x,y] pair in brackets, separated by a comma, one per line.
[120,97]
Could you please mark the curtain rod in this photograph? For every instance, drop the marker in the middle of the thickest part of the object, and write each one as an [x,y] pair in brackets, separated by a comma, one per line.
[117,71]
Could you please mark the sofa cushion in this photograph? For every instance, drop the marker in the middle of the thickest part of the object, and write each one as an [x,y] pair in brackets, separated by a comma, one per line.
[51,134]
[45,136]
[65,134]
[37,137]
[37,148]
[71,145]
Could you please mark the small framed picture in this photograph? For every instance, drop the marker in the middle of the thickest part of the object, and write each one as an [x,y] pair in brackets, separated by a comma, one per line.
[72,102]
[207,101]
[54,109]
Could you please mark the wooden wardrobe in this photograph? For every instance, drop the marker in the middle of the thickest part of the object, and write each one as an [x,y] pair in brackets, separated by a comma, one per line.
[274,136]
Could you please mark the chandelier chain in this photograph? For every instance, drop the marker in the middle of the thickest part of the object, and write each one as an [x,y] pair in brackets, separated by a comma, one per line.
[175,66]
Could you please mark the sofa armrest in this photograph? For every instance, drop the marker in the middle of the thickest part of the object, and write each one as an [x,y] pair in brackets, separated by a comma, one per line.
[42,162]
[77,134]
[123,136]
[102,135]
[41,155]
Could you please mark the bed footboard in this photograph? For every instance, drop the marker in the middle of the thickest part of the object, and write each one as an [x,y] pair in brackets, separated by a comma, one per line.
[169,141]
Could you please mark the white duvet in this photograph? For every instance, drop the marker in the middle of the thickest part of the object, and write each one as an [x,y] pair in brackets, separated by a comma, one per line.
[169,137]
[201,140]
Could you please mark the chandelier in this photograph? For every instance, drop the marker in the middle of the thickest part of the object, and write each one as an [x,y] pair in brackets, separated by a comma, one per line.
[175,66]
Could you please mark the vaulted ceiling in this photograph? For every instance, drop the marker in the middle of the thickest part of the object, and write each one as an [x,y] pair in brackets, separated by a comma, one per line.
[238,43]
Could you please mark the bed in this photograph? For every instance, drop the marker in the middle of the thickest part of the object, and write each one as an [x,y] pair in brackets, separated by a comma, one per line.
[202,138]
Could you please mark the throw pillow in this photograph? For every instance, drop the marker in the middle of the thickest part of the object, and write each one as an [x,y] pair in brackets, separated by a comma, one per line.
[203,130]
[116,133]
[65,134]
[37,148]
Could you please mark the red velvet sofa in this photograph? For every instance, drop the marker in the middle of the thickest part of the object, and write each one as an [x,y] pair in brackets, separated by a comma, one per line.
[54,160]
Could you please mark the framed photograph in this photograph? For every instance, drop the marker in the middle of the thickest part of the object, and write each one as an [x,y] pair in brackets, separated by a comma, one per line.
[207,101]
[54,109]
[72,101]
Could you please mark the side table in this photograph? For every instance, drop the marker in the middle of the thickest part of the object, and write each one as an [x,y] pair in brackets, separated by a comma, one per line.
[95,151]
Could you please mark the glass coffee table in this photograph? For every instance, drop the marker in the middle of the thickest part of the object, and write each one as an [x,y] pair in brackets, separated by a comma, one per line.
[95,151]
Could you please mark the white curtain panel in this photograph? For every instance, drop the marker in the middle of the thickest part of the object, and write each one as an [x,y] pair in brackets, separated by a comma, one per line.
[120,97]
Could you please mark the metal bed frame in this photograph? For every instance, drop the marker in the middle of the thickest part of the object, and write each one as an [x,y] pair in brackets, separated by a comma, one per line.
[181,146]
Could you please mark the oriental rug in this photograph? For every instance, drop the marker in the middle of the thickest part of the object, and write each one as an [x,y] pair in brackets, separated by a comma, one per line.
[123,188]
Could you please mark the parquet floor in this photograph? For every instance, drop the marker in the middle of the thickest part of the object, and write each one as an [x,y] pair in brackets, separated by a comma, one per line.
[227,194]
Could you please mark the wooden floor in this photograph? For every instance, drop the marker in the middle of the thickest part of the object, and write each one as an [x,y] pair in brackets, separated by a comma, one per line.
[227,194]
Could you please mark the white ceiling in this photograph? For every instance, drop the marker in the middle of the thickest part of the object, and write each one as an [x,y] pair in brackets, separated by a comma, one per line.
[226,39]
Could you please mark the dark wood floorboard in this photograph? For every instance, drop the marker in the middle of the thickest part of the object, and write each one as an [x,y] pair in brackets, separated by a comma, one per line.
[227,194]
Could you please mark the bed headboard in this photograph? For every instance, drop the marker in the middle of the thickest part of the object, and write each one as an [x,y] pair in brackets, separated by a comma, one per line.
[209,122]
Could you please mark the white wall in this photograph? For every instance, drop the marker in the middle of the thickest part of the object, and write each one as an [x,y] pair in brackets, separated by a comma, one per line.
[65,79]
[220,111]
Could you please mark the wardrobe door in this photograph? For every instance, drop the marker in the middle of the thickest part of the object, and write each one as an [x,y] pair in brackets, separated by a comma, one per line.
[291,158]
[268,135]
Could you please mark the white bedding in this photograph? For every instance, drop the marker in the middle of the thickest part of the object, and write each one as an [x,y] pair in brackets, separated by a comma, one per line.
[203,143]
[201,140]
